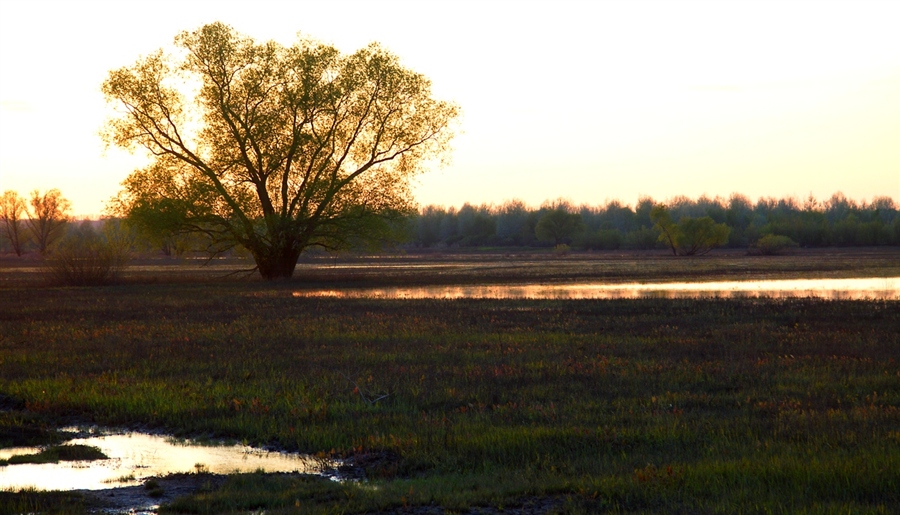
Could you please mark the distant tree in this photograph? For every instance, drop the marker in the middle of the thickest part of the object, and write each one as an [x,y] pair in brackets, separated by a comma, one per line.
[739,216]
[12,210]
[516,223]
[884,208]
[449,229]
[838,207]
[642,212]
[618,216]
[476,226]
[48,217]
[558,226]
[601,239]
[811,203]
[690,236]
[643,238]
[428,225]
[278,148]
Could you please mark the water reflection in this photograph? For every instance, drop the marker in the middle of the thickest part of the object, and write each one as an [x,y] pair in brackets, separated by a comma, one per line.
[887,288]
[136,456]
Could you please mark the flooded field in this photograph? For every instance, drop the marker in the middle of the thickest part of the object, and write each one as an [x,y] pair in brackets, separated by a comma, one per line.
[776,380]
[134,457]
[495,268]
[844,289]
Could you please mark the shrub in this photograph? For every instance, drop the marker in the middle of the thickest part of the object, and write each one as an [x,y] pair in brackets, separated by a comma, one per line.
[690,236]
[86,257]
[772,244]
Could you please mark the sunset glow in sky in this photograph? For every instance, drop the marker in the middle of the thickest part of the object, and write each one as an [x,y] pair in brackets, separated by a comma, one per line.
[589,101]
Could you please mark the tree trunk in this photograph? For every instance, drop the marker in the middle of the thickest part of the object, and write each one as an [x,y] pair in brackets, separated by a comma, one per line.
[276,263]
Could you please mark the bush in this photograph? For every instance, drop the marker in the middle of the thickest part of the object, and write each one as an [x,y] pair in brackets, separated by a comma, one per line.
[603,239]
[86,257]
[772,244]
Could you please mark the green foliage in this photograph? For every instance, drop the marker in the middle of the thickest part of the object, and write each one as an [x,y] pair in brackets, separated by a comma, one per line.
[558,226]
[839,222]
[690,236]
[282,149]
[158,211]
[35,501]
[643,238]
[700,235]
[603,239]
[57,453]
[773,244]
[561,250]
[476,226]
[708,406]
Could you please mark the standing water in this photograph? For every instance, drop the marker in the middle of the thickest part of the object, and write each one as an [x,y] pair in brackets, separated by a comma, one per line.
[885,288]
[134,457]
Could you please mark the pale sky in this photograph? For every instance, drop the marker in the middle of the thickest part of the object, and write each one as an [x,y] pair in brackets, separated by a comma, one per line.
[589,101]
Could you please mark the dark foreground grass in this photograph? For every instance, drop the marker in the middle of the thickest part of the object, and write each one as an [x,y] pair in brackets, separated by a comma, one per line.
[34,501]
[709,406]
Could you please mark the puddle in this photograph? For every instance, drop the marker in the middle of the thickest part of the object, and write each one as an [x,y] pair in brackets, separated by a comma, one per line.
[134,457]
[886,288]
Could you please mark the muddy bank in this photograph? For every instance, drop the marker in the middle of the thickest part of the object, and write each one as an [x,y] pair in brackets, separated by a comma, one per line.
[148,497]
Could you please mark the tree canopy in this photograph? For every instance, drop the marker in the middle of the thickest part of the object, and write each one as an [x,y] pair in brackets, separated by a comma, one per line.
[690,236]
[12,212]
[270,147]
[48,218]
[558,226]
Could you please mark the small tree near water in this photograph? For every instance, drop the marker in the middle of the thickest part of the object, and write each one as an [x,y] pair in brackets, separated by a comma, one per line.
[274,148]
[690,236]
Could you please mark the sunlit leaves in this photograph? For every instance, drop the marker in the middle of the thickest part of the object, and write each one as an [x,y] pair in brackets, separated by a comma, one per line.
[294,142]
[690,236]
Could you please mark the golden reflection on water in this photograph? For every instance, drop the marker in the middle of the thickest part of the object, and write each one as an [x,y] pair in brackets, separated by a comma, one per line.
[137,456]
[887,288]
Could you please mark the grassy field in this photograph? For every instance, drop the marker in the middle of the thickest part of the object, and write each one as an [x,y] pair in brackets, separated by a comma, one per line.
[500,266]
[630,406]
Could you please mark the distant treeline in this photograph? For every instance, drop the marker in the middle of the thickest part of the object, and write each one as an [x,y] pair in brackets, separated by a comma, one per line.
[768,225]
[838,221]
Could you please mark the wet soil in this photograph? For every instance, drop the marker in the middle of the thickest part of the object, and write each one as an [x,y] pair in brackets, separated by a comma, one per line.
[146,498]
[143,500]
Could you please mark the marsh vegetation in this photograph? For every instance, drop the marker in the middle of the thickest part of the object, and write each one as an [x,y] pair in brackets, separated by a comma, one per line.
[644,405]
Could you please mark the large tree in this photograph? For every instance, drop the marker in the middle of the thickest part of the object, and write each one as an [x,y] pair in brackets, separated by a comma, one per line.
[274,148]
